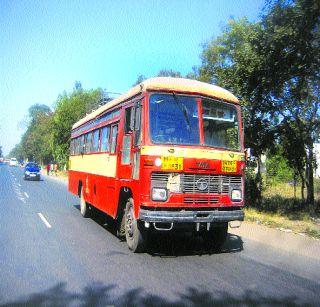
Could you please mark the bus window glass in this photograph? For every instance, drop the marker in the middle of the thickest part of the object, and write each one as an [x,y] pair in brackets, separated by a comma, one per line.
[77,149]
[88,142]
[114,135]
[72,147]
[220,125]
[174,119]
[82,144]
[128,120]
[85,143]
[137,126]
[126,148]
[95,140]
[105,144]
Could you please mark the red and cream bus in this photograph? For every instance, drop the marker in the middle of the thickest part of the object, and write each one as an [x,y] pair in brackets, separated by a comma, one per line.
[165,156]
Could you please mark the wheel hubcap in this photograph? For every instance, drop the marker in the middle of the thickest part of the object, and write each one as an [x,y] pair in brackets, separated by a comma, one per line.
[129,223]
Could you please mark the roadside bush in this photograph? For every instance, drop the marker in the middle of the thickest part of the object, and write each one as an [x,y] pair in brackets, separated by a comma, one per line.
[251,188]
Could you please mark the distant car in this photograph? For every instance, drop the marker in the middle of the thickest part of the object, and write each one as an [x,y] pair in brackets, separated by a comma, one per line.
[32,171]
[13,162]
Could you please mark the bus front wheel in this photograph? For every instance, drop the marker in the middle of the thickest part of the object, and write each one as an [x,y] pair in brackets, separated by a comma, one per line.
[84,206]
[135,235]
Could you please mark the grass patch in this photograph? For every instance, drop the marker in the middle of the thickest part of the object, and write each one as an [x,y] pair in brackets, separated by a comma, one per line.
[297,222]
[286,190]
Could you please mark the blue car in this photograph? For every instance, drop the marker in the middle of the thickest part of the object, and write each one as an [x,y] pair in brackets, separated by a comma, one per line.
[32,171]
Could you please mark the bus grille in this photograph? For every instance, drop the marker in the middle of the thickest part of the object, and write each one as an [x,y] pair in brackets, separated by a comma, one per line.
[191,183]
[200,200]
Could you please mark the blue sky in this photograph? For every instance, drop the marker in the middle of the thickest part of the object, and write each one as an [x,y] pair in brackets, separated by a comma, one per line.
[45,46]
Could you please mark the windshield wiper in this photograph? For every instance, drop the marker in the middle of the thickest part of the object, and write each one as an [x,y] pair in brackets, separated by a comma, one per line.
[183,108]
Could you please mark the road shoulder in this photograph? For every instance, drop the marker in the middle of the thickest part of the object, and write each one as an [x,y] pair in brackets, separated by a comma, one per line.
[290,242]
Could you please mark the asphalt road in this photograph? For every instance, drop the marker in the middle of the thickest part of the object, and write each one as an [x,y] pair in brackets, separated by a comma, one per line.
[51,256]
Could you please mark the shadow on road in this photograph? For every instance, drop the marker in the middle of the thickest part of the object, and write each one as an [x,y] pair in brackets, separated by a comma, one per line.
[187,244]
[32,180]
[167,244]
[101,295]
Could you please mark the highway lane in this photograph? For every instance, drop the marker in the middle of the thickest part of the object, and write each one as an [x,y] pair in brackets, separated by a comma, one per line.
[79,261]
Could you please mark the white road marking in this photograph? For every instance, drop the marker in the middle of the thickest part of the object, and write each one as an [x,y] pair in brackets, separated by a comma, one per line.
[44,220]
[26,194]
[19,184]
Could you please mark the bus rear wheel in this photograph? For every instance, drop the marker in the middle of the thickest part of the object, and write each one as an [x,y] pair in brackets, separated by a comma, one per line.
[135,235]
[84,206]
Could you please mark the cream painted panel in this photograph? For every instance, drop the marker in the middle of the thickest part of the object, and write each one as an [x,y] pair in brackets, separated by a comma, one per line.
[99,164]
[168,151]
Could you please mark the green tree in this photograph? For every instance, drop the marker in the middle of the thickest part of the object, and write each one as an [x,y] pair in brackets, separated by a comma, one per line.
[169,73]
[17,151]
[290,49]
[278,168]
[231,61]
[140,79]
[69,108]
[35,142]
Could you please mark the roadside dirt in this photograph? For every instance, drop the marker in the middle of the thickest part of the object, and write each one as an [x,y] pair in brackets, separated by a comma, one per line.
[290,242]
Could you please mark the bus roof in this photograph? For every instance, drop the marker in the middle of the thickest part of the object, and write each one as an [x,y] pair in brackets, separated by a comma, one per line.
[165,84]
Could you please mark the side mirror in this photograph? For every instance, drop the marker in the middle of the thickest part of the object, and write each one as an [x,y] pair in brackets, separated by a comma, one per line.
[248,154]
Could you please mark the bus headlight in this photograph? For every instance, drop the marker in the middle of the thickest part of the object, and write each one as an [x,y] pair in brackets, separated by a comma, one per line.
[159,194]
[236,195]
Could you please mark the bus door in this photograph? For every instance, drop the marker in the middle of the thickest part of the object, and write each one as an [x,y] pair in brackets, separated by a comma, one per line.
[129,149]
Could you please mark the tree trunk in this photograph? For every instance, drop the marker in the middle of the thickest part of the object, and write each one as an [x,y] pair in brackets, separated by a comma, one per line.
[294,190]
[302,184]
[259,182]
[309,178]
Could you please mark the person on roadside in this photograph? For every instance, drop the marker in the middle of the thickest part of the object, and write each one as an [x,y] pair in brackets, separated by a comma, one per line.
[48,169]
[56,169]
[51,168]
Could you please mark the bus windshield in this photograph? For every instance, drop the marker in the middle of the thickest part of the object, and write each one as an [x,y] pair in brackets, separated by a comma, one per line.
[174,119]
[220,125]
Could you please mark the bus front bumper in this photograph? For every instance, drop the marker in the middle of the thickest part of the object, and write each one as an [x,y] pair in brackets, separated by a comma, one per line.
[186,216]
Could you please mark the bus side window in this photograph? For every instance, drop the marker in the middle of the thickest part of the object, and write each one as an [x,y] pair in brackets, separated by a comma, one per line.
[105,133]
[81,145]
[137,125]
[95,140]
[85,143]
[128,120]
[114,134]
[77,150]
[72,147]
[90,142]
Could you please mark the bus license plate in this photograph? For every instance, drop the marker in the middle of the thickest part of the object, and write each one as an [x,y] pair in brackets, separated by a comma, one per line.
[172,163]
[229,166]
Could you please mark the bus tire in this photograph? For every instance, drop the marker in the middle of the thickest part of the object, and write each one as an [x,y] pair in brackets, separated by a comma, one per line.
[216,237]
[135,235]
[84,206]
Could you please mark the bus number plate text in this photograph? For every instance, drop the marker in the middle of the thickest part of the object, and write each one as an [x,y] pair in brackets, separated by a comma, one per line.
[172,163]
[229,166]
